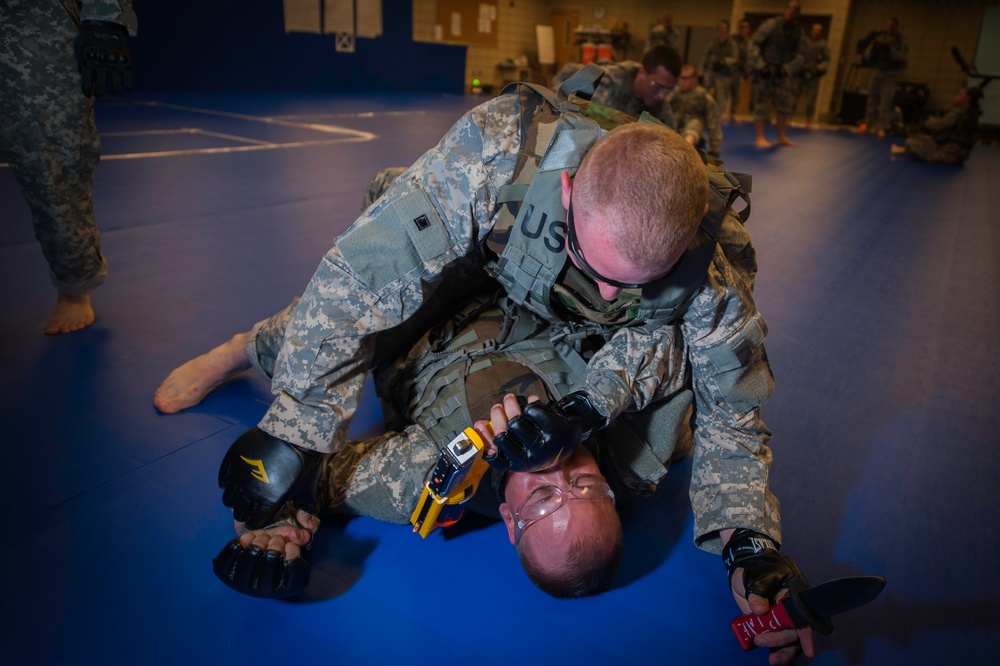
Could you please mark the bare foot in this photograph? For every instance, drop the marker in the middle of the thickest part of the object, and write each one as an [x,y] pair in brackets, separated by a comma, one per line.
[896,149]
[880,134]
[188,385]
[72,313]
[785,141]
[762,143]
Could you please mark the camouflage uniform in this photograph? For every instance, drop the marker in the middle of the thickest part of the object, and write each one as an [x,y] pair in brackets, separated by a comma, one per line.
[365,304]
[615,89]
[47,130]
[775,56]
[887,54]
[816,63]
[720,68]
[950,137]
[696,113]
[660,34]
[742,43]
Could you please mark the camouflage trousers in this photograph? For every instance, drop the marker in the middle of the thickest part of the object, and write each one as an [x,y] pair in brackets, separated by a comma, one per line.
[720,84]
[773,95]
[48,134]
[808,92]
[881,99]
[924,147]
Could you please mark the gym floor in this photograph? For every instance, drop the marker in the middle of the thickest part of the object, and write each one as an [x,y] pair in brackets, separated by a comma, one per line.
[880,282]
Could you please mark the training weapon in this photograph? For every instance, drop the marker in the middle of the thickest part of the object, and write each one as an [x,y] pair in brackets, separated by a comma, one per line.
[809,607]
[453,482]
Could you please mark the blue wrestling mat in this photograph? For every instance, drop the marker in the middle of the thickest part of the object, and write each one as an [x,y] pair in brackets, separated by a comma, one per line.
[880,282]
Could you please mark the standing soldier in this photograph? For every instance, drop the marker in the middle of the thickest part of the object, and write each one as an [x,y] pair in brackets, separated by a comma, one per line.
[775,56]
[720,65]
[817,62]
[55,56]
[885,52]
[742,41]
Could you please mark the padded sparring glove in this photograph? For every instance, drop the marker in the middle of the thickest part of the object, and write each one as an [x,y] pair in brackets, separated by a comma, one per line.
[543,433]
[102,55]
[261,573]
[765,571]
[261,473]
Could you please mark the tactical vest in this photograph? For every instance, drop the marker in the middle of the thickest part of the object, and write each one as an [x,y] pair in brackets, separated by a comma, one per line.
[511,341]
[530,231]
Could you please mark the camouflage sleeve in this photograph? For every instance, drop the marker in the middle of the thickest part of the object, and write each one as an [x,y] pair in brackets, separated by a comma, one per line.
[898,54]
[430,220]
[731,379]
[755,61]
[115,11]
[634,368]
[944,122]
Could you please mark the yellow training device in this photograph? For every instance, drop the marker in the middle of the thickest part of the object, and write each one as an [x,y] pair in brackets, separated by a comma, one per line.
[453,482]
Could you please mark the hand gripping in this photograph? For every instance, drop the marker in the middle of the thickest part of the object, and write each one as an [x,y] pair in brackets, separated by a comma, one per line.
[261,473]
[261,573]
[103,58]
[538,437]
[765,570]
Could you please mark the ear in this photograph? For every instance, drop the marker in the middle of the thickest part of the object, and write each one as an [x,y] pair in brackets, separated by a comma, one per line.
[508,518]
[567,188]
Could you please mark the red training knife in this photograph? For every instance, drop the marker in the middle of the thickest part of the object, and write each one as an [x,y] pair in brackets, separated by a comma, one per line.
[811,606]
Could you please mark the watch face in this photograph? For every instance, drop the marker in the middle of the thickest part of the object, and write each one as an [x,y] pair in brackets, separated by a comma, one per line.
[600,11]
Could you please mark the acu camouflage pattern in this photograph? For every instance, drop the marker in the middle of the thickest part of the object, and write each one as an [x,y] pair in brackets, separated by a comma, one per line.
[951,137]
[813,69]
[720,67]
[48,133]
[696,113]
[615,89]
[775,56]
[360,294]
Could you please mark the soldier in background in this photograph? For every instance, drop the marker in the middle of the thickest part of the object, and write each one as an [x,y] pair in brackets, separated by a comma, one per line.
[947,138]
[775,57]
[742,40]
[55,56]
[816,64]
[695,112]
[634,87]
[663,33]
[885,51]
[720,66]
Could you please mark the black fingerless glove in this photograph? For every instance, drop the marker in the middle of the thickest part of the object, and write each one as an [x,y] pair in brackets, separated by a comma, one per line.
[538,437]
[261,573]
[765,570]
[261,473]
[102,55]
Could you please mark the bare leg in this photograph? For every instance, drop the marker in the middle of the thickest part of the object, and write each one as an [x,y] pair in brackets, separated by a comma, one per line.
[761,142]
[188,385]
[783,139]
[72,313]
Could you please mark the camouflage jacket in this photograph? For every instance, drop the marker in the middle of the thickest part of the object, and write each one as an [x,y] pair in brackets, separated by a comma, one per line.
[615,89]
[723,57]
[437,217]
[817,59]
[777,43]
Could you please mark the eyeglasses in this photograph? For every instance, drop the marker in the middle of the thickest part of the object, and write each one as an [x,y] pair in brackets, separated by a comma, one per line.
[573,244]
[546,500]
[659,87]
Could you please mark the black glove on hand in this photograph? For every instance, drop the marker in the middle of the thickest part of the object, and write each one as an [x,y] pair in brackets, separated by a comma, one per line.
[261,473]
[765,571]
[261,573]
[102,54]
[542,433]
